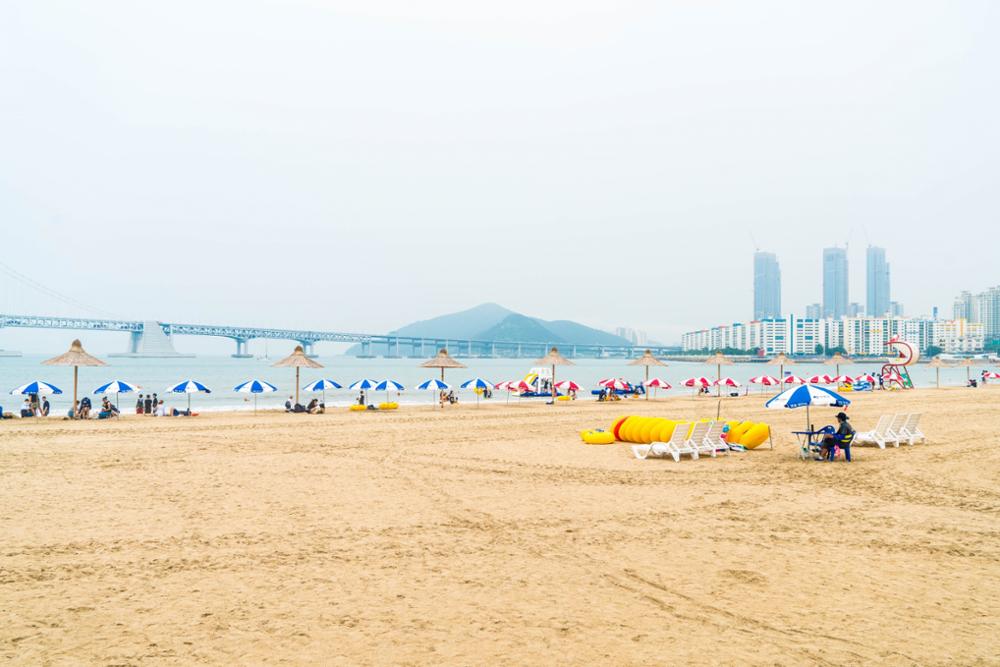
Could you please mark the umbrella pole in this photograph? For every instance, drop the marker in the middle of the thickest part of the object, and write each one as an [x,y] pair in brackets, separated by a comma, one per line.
[189,405]
[645,389]
[296,384]
[76,371]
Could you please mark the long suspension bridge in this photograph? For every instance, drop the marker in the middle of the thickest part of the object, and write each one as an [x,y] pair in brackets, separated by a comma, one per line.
[155,339]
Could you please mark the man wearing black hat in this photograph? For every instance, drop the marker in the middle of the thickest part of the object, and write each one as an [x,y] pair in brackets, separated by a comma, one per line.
[843,437]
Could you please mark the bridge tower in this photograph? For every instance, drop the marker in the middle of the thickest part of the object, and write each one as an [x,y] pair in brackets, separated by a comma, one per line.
[152,342]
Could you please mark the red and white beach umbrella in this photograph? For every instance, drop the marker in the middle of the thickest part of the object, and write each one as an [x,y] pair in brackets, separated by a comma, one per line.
[866,377]
[567,385]
[726,382]
[697,382]
[614,383]
[765,380]
[658,383]
[522,387]
[842,379]
[506,385]
[992,376]
[793,379]
[819,379]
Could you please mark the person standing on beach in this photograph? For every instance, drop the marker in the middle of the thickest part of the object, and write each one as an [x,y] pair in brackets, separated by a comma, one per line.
[138,405]
[147,405]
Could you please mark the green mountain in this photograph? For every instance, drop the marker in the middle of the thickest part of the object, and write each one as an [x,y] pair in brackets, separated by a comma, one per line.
[517,327]
[490,321]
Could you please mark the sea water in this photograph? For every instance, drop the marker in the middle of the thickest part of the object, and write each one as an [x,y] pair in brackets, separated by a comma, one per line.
[222,373]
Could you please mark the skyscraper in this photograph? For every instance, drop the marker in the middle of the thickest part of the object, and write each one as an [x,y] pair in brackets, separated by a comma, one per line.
[834,282]
[879,300]
[766,286]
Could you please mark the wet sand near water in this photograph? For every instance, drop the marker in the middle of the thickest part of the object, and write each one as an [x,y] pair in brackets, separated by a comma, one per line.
[494,536]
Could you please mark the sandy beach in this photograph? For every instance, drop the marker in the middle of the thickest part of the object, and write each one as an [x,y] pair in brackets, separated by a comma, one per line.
[493,536]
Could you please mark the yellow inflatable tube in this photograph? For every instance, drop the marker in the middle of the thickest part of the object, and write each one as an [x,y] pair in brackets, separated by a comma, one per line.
[598,437]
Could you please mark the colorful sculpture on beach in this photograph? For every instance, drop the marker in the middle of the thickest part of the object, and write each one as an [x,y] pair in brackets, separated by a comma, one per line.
[894,372]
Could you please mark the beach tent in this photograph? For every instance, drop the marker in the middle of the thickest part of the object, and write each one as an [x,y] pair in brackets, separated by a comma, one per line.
[75,357]
[647,359]
[553,359]
[298,360]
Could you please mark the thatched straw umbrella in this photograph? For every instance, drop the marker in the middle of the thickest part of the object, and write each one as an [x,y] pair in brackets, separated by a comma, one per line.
[937,364]
[75,357]
[719,360]
[442,360]
[837,360]
[781,361]
[297,359]
[553,359]
[647,359]
[968,363]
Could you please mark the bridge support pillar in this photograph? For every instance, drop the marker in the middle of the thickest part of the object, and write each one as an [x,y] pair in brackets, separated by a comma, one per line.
[366,348]
[308,347]
[241,349]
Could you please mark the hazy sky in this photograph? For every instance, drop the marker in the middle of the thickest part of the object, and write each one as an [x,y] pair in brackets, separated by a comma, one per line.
[358,165]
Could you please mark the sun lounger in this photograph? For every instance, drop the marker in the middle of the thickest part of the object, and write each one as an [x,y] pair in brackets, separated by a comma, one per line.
[910,431]
[892,433]
[699,438]
[674,447]
[878,435]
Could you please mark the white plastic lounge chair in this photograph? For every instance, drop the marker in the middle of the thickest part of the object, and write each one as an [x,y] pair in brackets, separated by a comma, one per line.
[910,432]
[699,438]
[674,447]
[714,439]
[878,435]
[892,434]
[681,444]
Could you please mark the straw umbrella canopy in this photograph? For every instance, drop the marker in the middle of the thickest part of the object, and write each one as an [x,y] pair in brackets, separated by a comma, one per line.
[781,361]
[937,364]
[442,360]
[837,360]
[647,359]
[968,363]
[718,360]
[297,360]
[76,356]
[553,359]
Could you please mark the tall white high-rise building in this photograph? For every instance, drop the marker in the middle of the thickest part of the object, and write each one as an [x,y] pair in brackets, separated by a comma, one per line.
[766,286]
[879,301]
[835,302]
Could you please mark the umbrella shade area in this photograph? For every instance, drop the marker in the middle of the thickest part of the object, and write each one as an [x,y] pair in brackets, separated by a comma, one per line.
[442,360]
[807,396]
[297,360]
[188,387]
[76,356]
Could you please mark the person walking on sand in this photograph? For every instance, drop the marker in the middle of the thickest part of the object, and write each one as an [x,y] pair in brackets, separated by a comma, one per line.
[138,405]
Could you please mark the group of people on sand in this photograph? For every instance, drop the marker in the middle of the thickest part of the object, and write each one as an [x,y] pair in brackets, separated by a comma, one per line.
[315,406]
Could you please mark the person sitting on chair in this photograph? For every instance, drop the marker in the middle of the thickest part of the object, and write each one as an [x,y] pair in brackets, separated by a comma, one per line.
[842,438]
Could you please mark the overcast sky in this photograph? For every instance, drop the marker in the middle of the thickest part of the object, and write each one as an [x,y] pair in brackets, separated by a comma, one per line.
[359,165]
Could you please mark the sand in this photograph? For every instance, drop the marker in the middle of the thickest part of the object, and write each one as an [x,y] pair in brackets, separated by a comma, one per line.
[493,536]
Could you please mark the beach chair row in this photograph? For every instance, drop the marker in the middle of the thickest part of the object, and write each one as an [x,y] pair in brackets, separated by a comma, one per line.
[893,430]
[698,440]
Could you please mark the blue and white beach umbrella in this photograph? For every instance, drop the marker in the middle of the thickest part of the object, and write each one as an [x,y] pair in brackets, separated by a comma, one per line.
[387,386]
[117,387]
[36,387]
[807,395]
[322,385]
[433,384]
[255,387]
[188,387]
[363,385]
[479,385]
